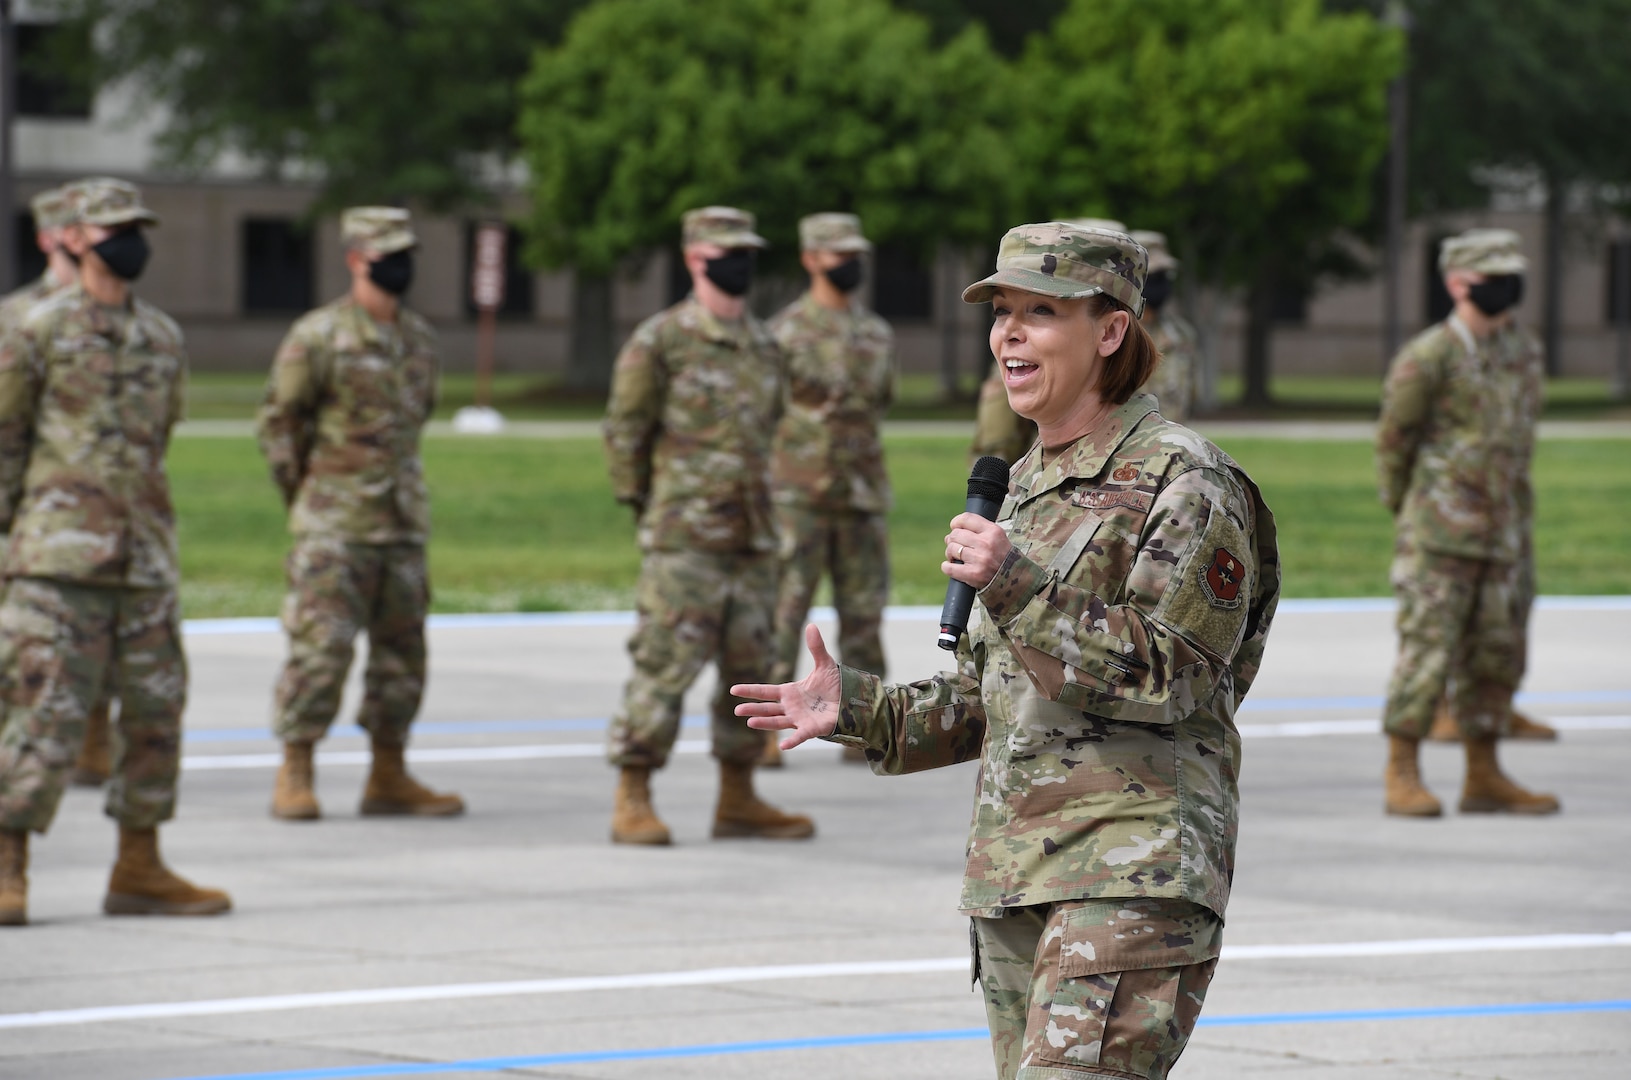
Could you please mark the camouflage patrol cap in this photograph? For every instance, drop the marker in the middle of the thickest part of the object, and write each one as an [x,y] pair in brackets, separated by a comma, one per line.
[52,209]
[1483,251]
[1055,258]
[723,225]
[1156,244]
[832,232]
[378,230]
[1102,223]
[103,200]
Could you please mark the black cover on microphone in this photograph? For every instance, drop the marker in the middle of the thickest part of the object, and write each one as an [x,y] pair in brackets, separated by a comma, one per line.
[987,487]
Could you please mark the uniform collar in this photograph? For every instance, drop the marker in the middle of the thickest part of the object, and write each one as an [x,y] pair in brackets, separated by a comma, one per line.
[366,328]
[1087,456]
[714,328]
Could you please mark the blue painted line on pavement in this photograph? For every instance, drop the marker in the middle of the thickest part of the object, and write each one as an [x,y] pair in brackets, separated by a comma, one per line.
[657,1053]
[579,619]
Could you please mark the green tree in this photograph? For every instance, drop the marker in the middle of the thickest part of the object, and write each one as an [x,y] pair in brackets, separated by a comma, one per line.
[1248,130]
[379,100]
[783,107]
[1525,85]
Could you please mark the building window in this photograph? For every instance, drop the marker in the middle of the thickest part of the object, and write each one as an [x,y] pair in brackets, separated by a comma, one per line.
[903,287]
[1439,304]
[27,258]
[1618,306]
[53,71]
[517,278]
[278,266]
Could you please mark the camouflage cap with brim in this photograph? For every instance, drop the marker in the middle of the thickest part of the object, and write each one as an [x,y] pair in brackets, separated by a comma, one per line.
[833,232]
[725,226]
[105,201]
[1484,251]
[1055,258]
[1103,224]
[52,209]
[1156,244]
[378,230]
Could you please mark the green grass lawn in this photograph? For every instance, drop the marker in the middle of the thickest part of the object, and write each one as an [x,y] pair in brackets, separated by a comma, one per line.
[226,396]
[529,524]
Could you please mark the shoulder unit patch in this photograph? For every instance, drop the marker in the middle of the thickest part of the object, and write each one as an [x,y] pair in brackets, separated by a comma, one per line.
[1221,579]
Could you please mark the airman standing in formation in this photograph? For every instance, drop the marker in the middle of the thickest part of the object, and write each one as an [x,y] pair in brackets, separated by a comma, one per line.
[827,466]
[51,211]
[91,384]
[352,386]
[1173,383]
[695,396]
[1453,451]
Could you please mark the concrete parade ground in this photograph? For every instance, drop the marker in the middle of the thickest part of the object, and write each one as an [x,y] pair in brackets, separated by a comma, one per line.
[517,941]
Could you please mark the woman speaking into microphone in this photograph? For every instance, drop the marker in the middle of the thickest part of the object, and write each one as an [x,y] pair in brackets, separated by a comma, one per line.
[1125,594]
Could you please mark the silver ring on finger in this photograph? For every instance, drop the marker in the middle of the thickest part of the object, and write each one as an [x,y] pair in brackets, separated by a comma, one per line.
[959,555]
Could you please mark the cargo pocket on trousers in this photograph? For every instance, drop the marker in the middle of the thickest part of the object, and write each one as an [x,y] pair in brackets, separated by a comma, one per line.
[1131,978]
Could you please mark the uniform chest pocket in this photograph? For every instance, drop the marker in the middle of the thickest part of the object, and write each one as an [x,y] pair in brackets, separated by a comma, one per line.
[368,387]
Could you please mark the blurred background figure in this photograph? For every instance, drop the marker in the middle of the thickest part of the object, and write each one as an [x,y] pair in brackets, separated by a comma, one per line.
[830,486]
[351,387]
[1453,450]
[1173,383]
[92,382]
[696,393]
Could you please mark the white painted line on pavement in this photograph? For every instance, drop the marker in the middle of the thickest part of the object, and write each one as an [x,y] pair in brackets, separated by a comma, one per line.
[766,973]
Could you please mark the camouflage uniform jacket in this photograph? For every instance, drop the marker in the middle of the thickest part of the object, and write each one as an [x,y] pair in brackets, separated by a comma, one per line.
[88,395]
[840,382]
[1456,436]
[15,305]
[1099,686]
[998,430]
[341,423]
[1173,383]
[693,405]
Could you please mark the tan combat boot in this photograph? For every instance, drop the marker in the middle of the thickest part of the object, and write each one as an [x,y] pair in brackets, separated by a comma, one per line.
[634,820]
[742,813]
[293,798]
[1444,728]
[95,762]
[142,885]
[13,877]
[1527,727]
[772,758]
[1406,795]
[390,790]
[1489,791]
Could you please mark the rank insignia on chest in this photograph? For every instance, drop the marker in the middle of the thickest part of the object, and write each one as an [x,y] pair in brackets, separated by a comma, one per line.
[1221,579]
[1127,474]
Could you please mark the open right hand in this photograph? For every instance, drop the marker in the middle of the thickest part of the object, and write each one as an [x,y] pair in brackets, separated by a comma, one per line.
[808,708]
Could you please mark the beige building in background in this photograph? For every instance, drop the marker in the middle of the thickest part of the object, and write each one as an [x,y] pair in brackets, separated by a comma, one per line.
[235,264]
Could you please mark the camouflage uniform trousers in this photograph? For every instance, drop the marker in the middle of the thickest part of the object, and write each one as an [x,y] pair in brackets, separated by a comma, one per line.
[853,547]
[338,589]
[1101,987]
[62,645]
[1460,629]
[694,606]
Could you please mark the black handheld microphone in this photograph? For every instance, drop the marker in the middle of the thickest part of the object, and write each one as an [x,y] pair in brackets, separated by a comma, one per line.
[987,487]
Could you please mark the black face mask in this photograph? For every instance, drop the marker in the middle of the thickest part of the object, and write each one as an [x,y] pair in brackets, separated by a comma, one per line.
[125,252]
[1158,289]
[846,276]
[1496,293]
[733,271]
[393,272]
